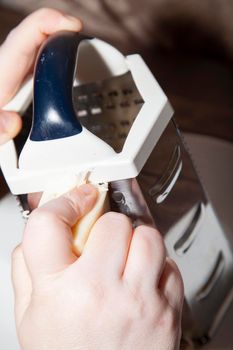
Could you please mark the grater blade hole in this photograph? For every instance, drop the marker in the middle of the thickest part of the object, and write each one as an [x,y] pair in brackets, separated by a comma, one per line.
[97,95]
[110,106]
[96,110]
[122,135]
[127,91]
[125,123]
[125,104]
[82,97]
[111,126]
[113,93]
[96,128]
[138,101]
[82,113]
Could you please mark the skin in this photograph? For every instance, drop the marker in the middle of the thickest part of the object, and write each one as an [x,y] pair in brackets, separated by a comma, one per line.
[123,292]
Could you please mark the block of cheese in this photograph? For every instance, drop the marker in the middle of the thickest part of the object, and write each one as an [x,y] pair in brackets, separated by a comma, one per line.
[82,228]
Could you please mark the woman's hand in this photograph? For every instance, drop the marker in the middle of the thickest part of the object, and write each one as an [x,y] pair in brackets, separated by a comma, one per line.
[17,56]
[121,294]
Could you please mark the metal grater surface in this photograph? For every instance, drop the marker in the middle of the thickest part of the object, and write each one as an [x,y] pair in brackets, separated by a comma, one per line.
[108,108]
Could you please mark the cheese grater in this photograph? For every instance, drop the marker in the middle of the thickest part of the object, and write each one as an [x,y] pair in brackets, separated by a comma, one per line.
[57,137]
[164,190]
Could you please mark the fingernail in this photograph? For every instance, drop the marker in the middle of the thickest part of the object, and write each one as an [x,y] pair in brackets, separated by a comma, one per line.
[87,189]
[10,124]
[71,18]
[6,126]
[75,20]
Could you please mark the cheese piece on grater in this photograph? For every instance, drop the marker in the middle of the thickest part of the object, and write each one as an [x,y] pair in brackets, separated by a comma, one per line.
[82,228]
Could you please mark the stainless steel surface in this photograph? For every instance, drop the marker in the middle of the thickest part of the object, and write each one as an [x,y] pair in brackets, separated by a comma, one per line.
[213,159]
[186,192]
[127,198]
[193,235]
[108,107]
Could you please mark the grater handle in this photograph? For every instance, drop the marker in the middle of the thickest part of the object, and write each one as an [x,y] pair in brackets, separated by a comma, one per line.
[54,114]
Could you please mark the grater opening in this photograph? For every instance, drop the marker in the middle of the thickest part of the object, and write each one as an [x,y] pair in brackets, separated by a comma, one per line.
[105,96]
[108,108]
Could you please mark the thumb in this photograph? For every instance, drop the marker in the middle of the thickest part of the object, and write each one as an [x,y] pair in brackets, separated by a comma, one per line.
[10,125]
[48,241]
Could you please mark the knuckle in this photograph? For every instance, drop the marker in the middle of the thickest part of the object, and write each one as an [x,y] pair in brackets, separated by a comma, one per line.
[151,238]
[117,218]
[167,320]
[137,304]
[44,17]
[178,277]
[151,232]
[10,36]
[139,310]
[93,296]
[159,240]
[74,205]
[136,307]
[145,233]
[44,12]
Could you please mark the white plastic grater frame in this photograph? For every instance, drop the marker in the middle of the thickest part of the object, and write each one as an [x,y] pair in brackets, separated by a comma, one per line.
[145,132]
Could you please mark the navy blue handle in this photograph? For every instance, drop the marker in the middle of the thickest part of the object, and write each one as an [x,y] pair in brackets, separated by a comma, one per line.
[54,116]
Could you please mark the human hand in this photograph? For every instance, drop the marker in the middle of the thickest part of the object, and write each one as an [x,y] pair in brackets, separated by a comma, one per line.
[121,294]
[17,56]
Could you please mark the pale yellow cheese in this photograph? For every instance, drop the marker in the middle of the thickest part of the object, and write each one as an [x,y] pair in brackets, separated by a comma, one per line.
[82,228]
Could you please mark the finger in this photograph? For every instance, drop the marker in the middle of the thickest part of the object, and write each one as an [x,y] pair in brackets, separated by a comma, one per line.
[146,259]
[10,125]
[47,242]
[171,285]
[107,246]
[18,51]
[21,283]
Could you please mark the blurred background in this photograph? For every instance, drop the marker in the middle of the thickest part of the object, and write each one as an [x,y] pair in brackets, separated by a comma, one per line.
[188,45]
